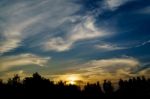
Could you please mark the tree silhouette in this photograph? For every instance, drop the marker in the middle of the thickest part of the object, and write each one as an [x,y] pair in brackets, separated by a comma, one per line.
[38,86]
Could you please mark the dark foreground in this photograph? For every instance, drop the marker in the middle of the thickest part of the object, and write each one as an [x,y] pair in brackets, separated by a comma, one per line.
[37,86]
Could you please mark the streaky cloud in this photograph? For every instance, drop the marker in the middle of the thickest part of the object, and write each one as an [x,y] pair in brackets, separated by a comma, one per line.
[84,30]
[22,21]
[113,68]
[114,4]
[58,44]
[145,10]
[108,47]
[8,62]
[144,43]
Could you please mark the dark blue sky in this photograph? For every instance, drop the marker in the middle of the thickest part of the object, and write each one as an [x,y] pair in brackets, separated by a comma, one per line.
[87,38]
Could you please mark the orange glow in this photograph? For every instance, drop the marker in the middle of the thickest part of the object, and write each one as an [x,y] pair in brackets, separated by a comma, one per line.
[71,79]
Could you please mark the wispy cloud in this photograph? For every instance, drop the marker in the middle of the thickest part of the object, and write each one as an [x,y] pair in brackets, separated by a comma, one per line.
[114,4]
[23,21]
[20,20]
[145,10]
[144,72]
[113,47]
[113,68]
[84,30]
[22,74]
[8,45]
[144,43]
[58,44]
[8,62]
[108,47]
[13,34]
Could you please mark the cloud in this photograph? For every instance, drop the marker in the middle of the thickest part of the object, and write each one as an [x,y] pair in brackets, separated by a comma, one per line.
[84,30]
[144,43]
[22,74]
[145,10]
[8,62]
[114,4]
[112,47]
[144,72]
[58,44]
[113,69]
[99,70]
[8,45]
[22,20]
[112,65]
[13,36]
[108,47]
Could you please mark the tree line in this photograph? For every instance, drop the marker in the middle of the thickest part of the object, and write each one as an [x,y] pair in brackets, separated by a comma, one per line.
[38,86]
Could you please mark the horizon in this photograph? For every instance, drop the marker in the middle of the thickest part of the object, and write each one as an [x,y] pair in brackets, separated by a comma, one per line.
[72,81]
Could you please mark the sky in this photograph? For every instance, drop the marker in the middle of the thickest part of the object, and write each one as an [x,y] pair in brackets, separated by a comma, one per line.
[87,40]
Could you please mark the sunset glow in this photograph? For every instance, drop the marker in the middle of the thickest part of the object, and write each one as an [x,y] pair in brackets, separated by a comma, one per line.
[72,79]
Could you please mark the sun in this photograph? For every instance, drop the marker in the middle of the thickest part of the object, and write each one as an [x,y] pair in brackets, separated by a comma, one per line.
[72,79]
[72,82]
